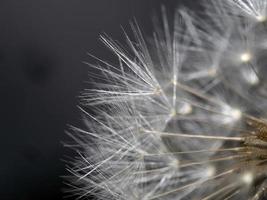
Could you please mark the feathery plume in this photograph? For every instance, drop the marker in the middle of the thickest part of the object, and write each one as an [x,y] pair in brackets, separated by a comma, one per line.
[181,116]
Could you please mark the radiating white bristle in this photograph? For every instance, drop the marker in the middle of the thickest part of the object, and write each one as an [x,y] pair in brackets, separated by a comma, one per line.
[171,116]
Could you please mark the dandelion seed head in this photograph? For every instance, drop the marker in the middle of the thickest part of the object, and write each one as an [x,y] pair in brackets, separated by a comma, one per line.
[250,76]
[213,72]
[181,115]
[247,178]
[210,171]
[185,109]
[231,114]
[235,114]
[261,18]
[174,82]
[175,163]
[245,57]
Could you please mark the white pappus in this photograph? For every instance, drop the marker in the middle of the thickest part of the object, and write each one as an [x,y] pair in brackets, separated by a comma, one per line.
[181,116]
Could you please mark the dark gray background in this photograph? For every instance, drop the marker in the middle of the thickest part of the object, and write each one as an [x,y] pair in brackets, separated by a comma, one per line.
[42,46]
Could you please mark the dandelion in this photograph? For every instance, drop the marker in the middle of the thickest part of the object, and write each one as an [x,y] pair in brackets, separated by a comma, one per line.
[182,114]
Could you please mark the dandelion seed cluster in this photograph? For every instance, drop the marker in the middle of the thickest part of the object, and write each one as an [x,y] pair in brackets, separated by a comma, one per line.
[181,116]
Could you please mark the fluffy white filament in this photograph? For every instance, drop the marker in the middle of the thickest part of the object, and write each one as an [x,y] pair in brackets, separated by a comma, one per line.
[256,9]
[172,114]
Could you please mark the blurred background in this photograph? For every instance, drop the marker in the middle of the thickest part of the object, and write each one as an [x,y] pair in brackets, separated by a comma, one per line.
[42,46]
